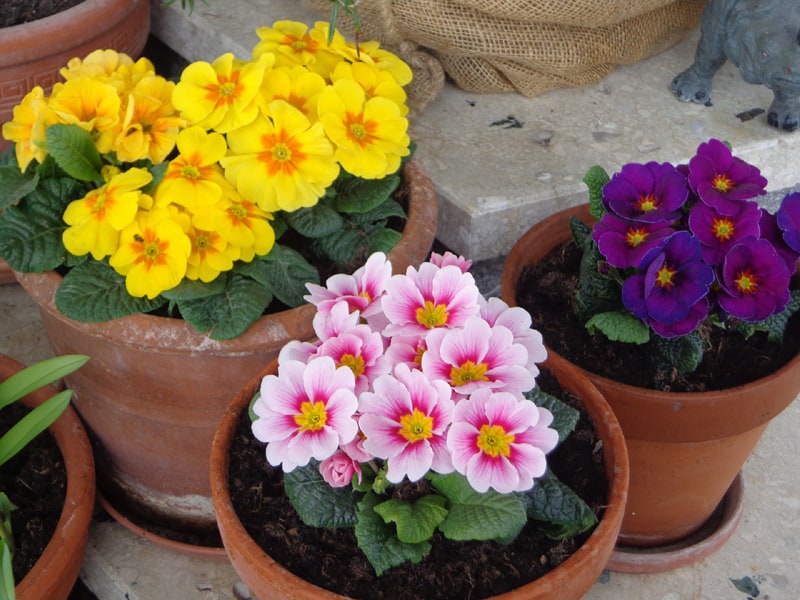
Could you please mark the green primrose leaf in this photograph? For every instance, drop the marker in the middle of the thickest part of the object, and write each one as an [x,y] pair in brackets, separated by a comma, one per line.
[564,416]
[595,179]
[415,521]
[74,151]
[93,291]
[345,248]
[378,216]
[775,326]
[476,516]
[356,195]
[619,326]
[189,289]
[14,185]
[561,512]
[316,502]
[684,353]
[314,222]
[30,234]
[37,375]
[228,314]
[285,272]
[32,424]
[379,542]
[383,240]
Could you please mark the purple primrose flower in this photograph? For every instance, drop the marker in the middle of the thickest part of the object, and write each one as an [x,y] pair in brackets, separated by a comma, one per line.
[754,281]
[770,231]
[624,243]
[718,232]
[670,291]
[722,180]
[651,193]
[788,218]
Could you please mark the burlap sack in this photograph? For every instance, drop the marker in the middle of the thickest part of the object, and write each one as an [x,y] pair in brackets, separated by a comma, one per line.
[487,52]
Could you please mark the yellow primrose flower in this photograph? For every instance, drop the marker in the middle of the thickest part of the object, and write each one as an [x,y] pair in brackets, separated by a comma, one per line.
[27,127]
[371,51]
[194,178]
[242,224]
[221,95]
[96,219]
[370,134]
[99,64]
[150,125]
[293,44]
[281,161]
[297,85]
[211,255]
[152,254]
[374,81]
[90,104]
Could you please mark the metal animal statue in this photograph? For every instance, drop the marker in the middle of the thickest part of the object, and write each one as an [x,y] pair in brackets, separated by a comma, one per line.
[760,37]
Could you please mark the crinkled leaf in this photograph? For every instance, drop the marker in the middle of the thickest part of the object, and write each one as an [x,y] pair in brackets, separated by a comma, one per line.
[32,424]
[356,195]
[316,502]
[597,290]
[619,326]
[74,151]
[189,289]
[564,416]
[285,272]
[378,540]
[684,353]
[560,512]
[476,516]
[383,240]
[315,222]
[774,326]
[378,216]
[94,292]
[595,179]
[14,185]
[30,233]
[228,314]
[415,521]
[346,248]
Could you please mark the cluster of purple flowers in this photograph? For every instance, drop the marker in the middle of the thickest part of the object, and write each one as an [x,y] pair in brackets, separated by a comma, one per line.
[691,241]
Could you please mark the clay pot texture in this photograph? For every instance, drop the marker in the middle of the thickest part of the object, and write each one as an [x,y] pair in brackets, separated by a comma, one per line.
[155,388]
[267,580]
[56,571]
[32,53]
[685,449]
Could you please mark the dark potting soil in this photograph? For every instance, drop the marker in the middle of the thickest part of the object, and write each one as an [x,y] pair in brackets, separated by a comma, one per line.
[35,480]
[16,12]
[330,558]
[546,290]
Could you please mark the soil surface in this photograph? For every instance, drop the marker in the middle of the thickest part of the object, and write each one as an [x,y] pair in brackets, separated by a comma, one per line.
[546,290]
[16,12]
[330,558]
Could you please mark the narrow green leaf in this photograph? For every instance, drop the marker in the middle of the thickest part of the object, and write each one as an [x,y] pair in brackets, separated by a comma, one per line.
[561,513]
[415,521]
[228,314]
[619,326]
[595,179]
[74,151]
[32,424]
[378,540]
[316,502]
[564,416]
[287,273]
[476,516]
[94,292]
[37,375]
[7,588]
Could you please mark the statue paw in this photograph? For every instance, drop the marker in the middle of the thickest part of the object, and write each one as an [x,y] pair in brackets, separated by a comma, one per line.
[784,115]
[690,87]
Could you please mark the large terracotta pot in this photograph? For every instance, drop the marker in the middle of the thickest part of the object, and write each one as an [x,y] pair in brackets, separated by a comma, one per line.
[685,449]
[267,580]
[155,389]
[55,573]
[32,54]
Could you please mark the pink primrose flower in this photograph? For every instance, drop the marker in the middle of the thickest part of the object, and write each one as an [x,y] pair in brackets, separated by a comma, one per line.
[448,258]
[361,290]
[518,320]
[405,421]
[305,412]
[429,298]
[360,349]
[499,440]
[338,469]
[337,319]
[477,356]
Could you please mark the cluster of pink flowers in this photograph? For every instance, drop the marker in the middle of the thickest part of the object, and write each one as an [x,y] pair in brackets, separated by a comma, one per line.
[410,373]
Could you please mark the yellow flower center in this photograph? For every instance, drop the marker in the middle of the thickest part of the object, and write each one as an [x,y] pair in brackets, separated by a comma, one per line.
[747,282]
[149,249]
[664,277]
[722,182]
[281,152]
[723,229]
[227,89]
[354,363]
[357,129]
[432,316]
[190,172]
[416,426]
[494,441]
[634,237]
[468,372]
[203,242]
[312,417]
[647,203]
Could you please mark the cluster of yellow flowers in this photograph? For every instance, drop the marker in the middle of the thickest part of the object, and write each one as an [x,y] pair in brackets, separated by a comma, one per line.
[252,137]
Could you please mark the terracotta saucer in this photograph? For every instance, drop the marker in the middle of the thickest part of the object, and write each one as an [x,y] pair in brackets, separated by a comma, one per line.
[704,542]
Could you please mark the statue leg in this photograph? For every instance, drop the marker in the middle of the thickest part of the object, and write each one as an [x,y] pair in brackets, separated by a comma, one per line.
[784,112]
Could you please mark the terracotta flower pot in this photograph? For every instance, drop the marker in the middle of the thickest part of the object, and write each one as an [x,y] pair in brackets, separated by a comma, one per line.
[685,449]
[155,389]
[32,54]
[55,573]
[266,579]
